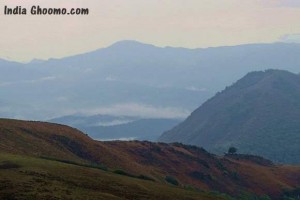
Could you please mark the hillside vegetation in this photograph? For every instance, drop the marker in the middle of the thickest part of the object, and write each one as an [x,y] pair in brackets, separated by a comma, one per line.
[67,163]
[33,178]
[259,114]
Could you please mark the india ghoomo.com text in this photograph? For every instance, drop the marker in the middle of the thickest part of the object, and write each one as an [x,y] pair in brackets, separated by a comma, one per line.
[38,10]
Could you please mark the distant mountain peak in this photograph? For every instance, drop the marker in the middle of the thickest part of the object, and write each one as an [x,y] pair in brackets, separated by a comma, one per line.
[265,78]
[127,44]
[272,72]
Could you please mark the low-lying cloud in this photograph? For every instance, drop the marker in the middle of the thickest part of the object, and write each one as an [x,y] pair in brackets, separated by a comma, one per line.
[32,81]
[118,139]
[138,110]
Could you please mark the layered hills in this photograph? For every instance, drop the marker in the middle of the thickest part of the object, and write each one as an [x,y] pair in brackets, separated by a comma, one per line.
[63,162]
[130,77]
[259,114]
[133,79]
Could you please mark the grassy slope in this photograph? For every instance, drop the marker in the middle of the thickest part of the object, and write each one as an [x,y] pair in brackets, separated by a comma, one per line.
[32,178]
[37,138]
[205,171]
[190,165]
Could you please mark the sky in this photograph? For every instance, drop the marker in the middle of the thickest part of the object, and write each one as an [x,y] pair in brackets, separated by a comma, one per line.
[177,23]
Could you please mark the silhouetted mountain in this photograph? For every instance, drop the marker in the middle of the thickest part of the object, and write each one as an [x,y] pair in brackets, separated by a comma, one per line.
[131,74]
[259,114]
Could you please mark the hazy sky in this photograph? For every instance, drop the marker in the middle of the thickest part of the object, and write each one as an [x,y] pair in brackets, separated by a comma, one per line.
[185,23]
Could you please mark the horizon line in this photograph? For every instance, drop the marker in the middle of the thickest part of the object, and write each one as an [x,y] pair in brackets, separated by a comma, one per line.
[138,42]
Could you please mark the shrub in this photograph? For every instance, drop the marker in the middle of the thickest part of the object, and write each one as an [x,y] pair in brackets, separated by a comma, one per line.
[291,193]
[192,188]
[9,165]
[220,166]
[121,172]
[201,176]
[204,163]
[145,178]
[234,175]
[171,180]
[93,165]
[251,196]
[232,150]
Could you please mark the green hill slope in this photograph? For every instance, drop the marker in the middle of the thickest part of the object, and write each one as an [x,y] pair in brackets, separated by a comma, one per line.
[259,114]
[32,178]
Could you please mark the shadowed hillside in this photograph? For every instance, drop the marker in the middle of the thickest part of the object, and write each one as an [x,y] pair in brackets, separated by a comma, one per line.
[172,164]
[259,114]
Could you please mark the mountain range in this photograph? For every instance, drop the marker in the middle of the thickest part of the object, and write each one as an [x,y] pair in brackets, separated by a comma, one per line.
[259,115]
[131,78]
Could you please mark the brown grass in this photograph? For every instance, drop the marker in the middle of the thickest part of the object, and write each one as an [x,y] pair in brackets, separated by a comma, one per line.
[189,165]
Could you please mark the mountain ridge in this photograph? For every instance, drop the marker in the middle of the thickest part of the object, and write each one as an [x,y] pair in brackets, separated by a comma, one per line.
[135,43]
[261,105]
[109,77]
